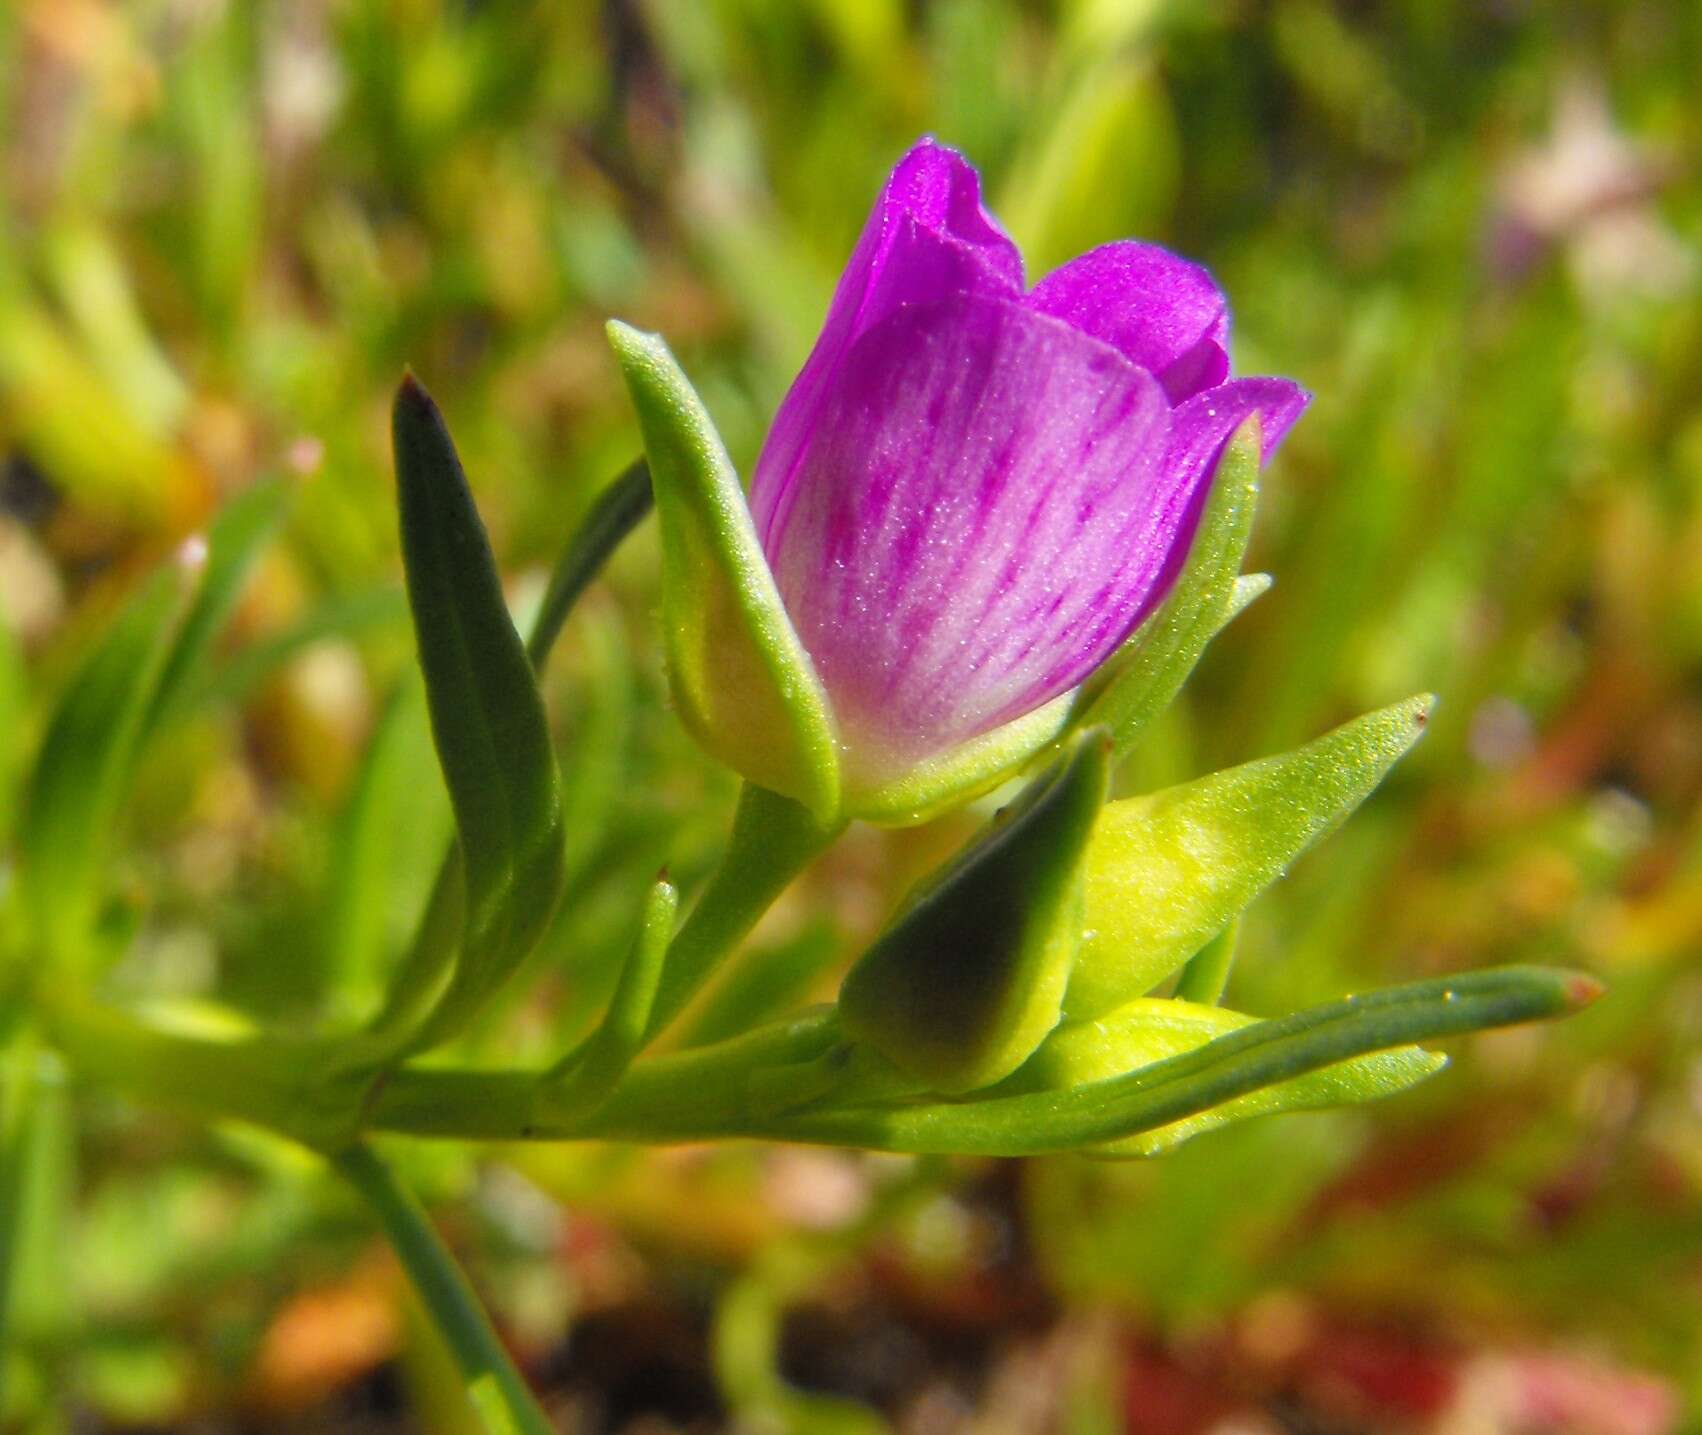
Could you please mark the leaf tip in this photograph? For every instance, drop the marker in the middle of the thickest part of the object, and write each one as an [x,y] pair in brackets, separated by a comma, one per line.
[415,412]
[411,390]
[628,342]
[1581,990]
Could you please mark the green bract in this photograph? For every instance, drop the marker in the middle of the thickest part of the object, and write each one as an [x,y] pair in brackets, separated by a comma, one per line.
[1169,870]
[968,978]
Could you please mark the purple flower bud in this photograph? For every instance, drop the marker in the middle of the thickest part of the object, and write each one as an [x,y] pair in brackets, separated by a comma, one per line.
[974,492]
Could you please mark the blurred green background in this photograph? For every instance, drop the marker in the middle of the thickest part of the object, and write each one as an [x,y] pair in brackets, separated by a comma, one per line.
[1473,230]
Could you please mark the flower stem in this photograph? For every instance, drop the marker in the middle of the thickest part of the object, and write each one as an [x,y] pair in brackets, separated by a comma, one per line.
[773,840]
[498,1392]
[1207,972]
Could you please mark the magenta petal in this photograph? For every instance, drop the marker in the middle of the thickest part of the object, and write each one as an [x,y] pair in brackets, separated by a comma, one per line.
[981,514]
[1163,312]
[1199,428]
[927,237]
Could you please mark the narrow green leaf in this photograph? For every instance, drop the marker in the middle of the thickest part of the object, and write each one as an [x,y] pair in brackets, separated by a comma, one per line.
[433,947]
[1149,1030]
[83,770]
[1167,871]
[618,509]
[587,1077]
[968,978]
[1143,678]
[14,690]
[345,615]
[1181,1086]
[232,544]
[390,822]
[742,681]
[487,716]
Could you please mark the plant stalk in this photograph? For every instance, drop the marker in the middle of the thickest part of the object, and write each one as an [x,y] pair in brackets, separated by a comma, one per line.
[496,1388]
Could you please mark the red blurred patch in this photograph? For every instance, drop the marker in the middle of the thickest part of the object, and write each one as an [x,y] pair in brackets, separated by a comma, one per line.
[1162,1397]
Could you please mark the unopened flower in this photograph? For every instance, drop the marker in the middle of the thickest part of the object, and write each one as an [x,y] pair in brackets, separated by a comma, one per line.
[973,493]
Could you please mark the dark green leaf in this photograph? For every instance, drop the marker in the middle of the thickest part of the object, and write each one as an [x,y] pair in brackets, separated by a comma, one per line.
[1149,1030]
[487,717]
[1231,1066]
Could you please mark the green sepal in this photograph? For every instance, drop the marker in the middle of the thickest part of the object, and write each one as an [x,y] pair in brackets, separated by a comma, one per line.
[1144,676]
[963,773]
[742,681]
[487,717]
[1167,871]
[84,767]
[1149,1030]
[969,976]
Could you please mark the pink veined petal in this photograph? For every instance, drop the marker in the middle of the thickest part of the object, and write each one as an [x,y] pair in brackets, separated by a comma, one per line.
[980,516]
[928,236]
[1162,312]
[1199,428]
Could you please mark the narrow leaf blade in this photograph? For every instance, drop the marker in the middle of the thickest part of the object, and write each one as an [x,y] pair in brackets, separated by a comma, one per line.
[487,716]
[1225,1068]
[618,510]
[1148,1030]
[83,769]
[232,545]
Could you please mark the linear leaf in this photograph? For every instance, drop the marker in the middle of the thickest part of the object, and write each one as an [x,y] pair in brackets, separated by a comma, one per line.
[1223,1069]
[618,509]
[487,716]
[1148,1030]
[587,1077]
[83,769]
[233,543]
[432,949]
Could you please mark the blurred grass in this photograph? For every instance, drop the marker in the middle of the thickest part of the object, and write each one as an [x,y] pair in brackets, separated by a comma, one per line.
[1474,232]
